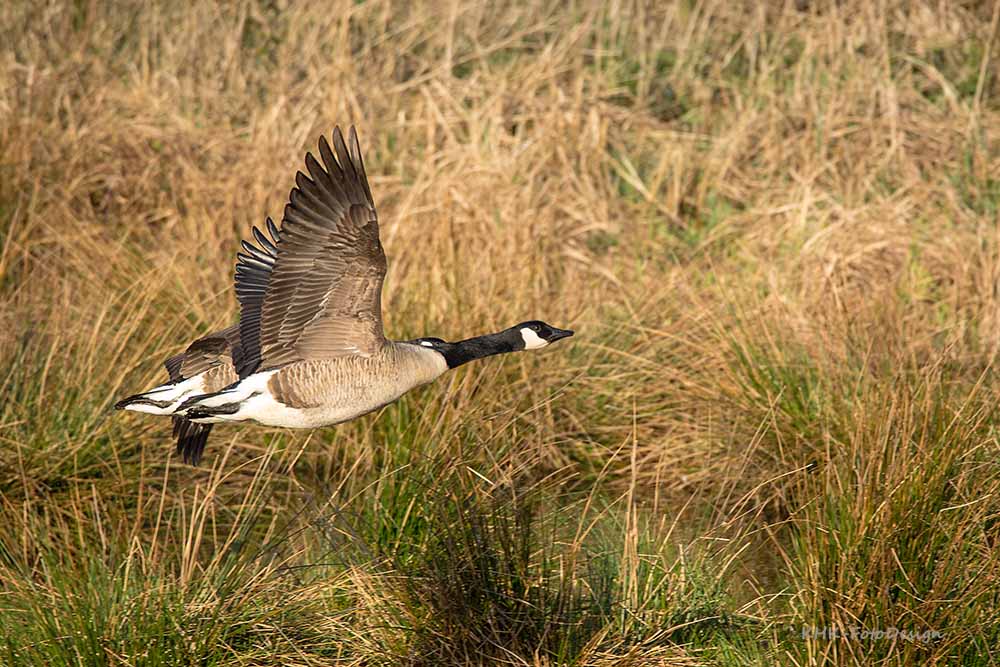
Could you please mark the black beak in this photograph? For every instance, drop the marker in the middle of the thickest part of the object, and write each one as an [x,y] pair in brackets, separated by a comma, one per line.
[558,334]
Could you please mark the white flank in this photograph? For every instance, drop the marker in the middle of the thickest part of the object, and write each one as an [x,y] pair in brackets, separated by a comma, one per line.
[239,392]
[256,403]
[532,341]
[264,409]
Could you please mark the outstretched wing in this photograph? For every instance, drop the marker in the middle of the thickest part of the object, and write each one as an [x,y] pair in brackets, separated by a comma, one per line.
[323,294]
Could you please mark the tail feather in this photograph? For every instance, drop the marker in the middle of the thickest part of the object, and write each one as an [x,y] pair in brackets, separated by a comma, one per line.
[191,439]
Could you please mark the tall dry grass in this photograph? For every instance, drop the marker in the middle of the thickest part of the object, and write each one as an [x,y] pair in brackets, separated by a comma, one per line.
[774,226]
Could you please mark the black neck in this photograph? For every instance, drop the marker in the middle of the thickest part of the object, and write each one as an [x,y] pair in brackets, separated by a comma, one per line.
[470,349]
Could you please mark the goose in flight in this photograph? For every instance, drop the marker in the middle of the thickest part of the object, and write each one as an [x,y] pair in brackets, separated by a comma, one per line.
[309,349]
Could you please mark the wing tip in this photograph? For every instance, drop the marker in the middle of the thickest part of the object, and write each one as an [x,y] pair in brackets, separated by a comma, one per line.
[349,159]
[191,439]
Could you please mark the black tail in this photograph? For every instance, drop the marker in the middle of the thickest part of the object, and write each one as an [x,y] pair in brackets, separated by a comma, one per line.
[191,439]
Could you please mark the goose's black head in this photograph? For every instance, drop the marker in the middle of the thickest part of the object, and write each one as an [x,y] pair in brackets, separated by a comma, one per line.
[536,334]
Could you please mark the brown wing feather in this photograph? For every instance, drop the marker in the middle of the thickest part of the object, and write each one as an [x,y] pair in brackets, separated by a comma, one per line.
[323,299]
[221,347]
[173,365]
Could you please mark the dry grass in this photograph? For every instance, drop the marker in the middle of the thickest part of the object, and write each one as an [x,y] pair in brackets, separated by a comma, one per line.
[774,226]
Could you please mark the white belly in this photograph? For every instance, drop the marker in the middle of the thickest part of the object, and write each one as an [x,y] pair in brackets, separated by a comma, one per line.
[264,409]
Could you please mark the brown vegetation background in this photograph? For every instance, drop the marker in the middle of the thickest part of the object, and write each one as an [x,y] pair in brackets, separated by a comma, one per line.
[773,225]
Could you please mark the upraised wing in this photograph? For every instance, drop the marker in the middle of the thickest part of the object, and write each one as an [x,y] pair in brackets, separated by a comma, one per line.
[322,298]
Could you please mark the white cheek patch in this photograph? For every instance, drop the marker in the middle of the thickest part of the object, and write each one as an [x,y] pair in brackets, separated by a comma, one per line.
[531,340]
[426,343]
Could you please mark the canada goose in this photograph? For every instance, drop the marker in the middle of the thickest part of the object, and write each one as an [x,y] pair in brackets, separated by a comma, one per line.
[309,350]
